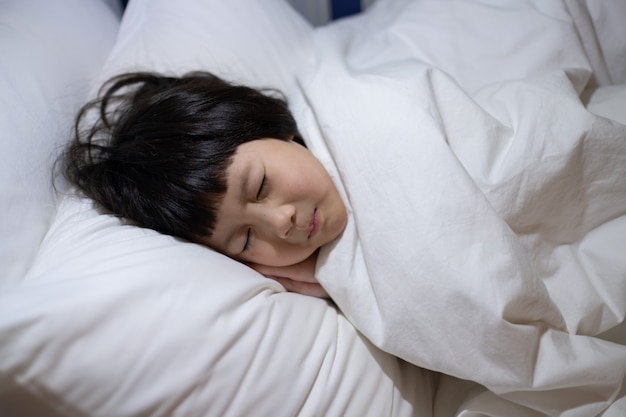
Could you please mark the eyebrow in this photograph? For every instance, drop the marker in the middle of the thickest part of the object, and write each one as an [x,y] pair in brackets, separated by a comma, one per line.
[244,184]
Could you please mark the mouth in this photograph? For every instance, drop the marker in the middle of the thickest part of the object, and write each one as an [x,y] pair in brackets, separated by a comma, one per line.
[315,225]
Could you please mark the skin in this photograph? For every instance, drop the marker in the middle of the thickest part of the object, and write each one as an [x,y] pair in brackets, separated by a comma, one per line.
[280,207]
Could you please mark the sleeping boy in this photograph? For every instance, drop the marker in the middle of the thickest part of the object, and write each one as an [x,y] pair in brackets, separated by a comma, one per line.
[214,163]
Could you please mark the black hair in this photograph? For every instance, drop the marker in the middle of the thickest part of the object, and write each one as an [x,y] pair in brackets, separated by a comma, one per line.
[157,147]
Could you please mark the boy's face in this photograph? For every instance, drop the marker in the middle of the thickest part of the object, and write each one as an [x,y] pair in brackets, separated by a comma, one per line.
[280,207]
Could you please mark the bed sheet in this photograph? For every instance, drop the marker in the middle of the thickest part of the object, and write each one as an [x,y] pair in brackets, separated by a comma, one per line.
[487,205]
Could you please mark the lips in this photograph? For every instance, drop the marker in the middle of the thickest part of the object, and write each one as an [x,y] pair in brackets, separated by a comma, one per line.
[315,225]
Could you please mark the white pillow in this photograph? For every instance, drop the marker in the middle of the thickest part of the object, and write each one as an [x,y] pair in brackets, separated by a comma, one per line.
[50,53]
[259,43]
[115,320]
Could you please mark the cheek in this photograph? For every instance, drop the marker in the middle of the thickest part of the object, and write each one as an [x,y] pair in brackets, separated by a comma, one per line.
[305,178]
[281,254]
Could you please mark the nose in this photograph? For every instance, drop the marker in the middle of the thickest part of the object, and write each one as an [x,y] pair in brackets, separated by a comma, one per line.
[281,219]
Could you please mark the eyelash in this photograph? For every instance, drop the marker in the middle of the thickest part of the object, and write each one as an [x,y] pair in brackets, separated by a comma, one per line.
[262,187]
[246,246]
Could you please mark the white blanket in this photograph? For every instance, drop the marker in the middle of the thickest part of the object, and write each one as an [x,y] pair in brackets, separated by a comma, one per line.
[487,226]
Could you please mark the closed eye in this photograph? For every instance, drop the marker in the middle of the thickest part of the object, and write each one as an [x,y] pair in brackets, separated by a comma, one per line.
[246,245]
[259,194]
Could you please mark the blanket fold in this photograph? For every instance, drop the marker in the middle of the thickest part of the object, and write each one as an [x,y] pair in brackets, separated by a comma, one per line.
[482,226]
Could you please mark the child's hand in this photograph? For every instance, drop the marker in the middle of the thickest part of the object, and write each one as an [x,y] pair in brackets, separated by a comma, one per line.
[298,278]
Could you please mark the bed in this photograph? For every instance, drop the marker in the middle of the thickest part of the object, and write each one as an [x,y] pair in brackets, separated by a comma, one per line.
[498,125]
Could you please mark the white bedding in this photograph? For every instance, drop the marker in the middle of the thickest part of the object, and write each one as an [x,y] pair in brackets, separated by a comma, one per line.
[459,120]
[114,320]
[487,227]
